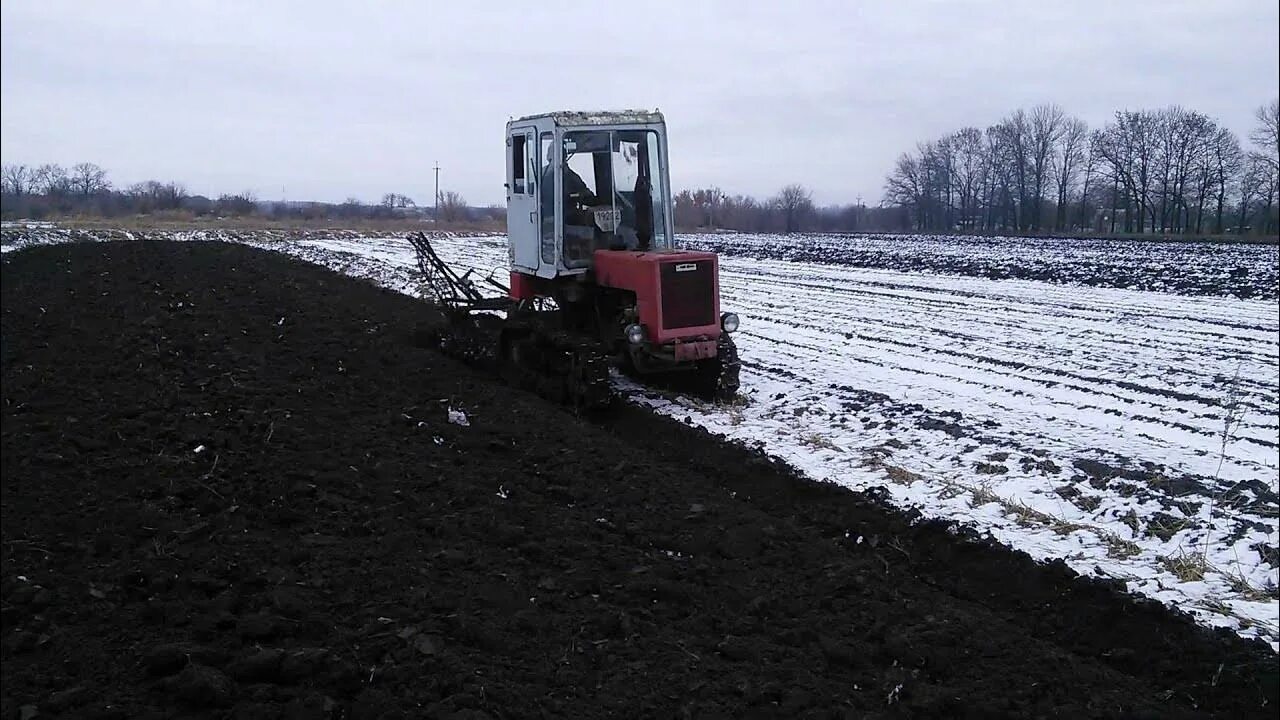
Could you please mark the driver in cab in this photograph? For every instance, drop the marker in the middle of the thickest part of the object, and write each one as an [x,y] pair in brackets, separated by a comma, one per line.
[577,195]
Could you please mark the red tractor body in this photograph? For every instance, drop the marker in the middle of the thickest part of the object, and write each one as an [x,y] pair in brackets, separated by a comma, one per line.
[677,291]
[674,295]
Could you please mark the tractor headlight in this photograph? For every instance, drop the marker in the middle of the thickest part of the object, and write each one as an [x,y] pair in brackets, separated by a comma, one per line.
[635,334]
[729,322]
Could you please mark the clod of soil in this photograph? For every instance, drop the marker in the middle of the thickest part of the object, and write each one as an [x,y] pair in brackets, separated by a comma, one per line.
[231,489]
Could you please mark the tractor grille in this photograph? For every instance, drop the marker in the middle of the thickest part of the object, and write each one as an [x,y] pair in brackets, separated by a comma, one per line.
[688,294]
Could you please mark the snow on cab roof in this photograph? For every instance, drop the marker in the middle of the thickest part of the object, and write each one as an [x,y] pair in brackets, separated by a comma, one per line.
[599,117]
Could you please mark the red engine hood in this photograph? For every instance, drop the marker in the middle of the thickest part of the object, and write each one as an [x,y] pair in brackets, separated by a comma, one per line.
[677,291]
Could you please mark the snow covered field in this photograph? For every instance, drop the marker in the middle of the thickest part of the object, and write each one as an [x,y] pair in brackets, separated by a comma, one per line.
[1131,433]
[1188,268]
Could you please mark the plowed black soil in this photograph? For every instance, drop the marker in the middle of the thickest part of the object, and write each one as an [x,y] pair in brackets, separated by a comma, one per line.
[338,548]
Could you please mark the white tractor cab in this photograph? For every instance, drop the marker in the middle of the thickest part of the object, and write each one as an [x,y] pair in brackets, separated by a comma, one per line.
[578,182]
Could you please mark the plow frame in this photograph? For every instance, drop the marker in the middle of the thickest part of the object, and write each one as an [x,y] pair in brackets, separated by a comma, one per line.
[448,288]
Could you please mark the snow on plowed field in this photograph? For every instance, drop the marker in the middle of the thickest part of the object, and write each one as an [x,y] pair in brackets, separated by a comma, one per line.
[1241,270]
[1131,433]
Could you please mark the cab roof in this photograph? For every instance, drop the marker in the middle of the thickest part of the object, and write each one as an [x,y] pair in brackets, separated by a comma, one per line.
[567,118]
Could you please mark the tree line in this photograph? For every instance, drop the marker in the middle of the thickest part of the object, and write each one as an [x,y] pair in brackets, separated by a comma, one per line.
[1172,171]
[792,209]
[49,191]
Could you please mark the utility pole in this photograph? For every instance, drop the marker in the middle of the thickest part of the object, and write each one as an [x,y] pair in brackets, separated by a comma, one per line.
[437,215]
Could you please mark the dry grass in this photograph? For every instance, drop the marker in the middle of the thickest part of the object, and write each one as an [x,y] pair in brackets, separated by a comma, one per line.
[1025,515]
[1187,567]
[1165,529]
[818,440]
[732,407]
[1065,527]
[982,495]
[1131,519]
[1118,547]
[1022,514]
[900,475]
[1247,590]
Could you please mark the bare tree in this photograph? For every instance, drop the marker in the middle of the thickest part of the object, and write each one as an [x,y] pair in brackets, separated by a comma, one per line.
[1143,129]
[1000,204]
[1046,128]
[17,179]
[1127,146]
[155,195]
[967,165]
[926,183]
[1090,172]
[702,206]
[453,207]
[1253,180]
[1263,182]
[743,213]
[1265,160]
[88,179]
[1226,161]
[795,203]
[1072,151]
[1270,191]
[244,203]
[172,194]
[1180,137]
[1198,176]
[1015,141]
[1266,136]
[396,200]
[939,164]
[51,180]
[905,187]
[707,205]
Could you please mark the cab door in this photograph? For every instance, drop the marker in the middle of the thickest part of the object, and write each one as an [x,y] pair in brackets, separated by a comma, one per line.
[523,226]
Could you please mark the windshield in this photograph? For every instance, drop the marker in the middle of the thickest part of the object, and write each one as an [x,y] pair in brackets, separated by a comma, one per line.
[613,191]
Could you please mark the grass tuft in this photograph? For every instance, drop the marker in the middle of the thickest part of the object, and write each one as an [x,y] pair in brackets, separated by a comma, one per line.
[1187,567]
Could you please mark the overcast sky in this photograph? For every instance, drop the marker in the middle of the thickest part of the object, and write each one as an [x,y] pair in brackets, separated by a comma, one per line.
[318,100]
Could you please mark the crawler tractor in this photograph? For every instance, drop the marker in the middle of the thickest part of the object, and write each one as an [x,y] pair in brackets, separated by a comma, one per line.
[595,279]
